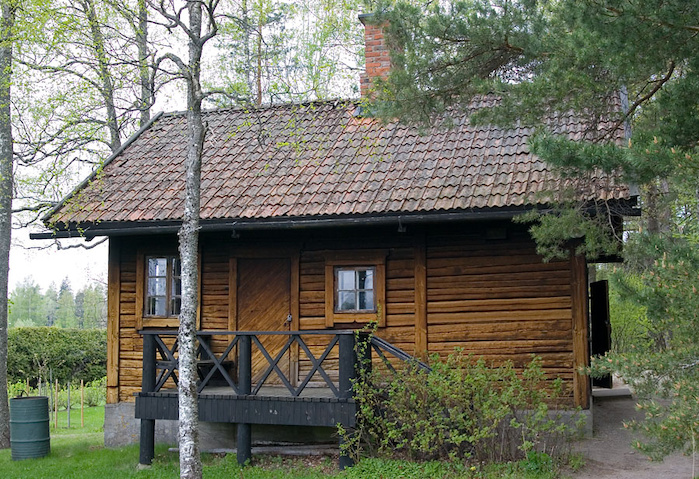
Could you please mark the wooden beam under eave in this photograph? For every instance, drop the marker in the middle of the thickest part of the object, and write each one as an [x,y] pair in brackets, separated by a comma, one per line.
[113,319]
[581,353]
[420,252]
[233,294]
[295,307]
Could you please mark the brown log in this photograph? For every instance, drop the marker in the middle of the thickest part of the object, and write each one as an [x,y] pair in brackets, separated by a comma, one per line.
[489,316]
[518,304]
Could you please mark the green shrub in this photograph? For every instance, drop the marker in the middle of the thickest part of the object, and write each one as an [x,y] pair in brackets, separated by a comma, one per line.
[63,354]
[462,410]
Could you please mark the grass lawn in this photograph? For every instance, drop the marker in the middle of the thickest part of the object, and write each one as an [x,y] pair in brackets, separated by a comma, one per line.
[80,453]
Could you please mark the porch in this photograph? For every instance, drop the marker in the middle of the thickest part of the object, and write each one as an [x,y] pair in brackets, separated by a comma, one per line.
[295,378]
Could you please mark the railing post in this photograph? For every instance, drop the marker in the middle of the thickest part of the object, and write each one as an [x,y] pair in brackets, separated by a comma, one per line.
[348,373]
[244,440]
[147,442]
[348,365]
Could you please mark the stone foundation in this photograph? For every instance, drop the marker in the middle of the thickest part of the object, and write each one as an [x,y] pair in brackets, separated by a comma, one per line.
[122,428]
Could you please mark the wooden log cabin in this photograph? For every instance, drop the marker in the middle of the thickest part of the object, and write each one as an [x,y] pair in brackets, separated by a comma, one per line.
[315,221]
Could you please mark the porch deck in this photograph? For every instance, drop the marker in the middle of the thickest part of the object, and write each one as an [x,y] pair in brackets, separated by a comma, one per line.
[275,405]
[316,399]
[265,391]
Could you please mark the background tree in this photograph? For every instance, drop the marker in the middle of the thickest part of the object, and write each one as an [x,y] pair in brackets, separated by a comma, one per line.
[51,301]
[50,125]
[272,51]
[94,306]
[79,308]
[626,66]
[65,311]
[27,305]
[84,310]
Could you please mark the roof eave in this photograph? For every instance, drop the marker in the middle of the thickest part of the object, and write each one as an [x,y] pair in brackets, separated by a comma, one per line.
[90,230]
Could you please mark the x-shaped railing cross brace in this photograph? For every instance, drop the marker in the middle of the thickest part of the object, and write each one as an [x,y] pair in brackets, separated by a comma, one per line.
[217,364]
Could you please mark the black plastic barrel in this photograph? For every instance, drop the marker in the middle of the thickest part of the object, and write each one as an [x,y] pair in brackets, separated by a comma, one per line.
[29,427]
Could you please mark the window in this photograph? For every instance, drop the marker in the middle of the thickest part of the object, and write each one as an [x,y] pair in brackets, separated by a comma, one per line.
[355,287]
[163,286]
[159,287]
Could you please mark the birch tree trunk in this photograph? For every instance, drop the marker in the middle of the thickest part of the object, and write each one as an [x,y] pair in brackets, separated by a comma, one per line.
[190,459]
[6,190]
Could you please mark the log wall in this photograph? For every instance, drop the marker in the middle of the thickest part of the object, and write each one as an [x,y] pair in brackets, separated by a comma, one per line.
[445,289]
[499,301]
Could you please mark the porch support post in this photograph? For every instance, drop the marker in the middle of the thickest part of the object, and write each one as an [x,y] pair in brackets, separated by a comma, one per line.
[348,373]
[244,440]
[147,442]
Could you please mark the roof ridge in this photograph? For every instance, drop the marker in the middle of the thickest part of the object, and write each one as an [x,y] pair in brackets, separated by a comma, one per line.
[269,106]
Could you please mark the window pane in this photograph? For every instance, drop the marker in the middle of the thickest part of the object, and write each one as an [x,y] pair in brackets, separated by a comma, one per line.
[345,279]
[366,300]
[176,305]
[365,279]
[157,267]
[156,286]
[156,306]
[346,301]
[176,287]
[176,267]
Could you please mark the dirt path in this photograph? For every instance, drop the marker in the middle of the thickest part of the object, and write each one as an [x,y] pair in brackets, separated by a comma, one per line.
[609,453]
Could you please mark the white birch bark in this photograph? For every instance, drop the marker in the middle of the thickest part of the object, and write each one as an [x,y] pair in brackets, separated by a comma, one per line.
[6,190]
[190,459]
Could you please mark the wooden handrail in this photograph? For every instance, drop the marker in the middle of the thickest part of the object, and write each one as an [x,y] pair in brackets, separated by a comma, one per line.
[157,371]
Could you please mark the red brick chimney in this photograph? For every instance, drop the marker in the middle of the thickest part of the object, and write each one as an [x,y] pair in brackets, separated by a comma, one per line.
[376,53]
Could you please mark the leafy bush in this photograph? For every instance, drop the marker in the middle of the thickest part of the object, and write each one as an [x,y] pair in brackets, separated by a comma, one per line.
[63,354]
[462,410]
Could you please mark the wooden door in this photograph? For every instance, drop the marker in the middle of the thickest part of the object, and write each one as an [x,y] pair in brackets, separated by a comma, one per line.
[264,305]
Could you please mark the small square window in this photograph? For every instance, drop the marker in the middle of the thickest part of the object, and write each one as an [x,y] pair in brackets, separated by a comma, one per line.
[355,289]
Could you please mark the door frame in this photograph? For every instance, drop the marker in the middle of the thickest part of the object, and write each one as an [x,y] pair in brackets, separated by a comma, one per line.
[293,255]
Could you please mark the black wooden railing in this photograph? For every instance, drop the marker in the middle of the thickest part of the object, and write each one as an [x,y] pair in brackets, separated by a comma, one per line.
[233,368]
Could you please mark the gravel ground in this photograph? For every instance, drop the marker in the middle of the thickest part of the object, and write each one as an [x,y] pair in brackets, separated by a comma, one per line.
[608,454]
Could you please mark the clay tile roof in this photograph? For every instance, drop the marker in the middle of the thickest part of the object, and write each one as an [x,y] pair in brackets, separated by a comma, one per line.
[320,159]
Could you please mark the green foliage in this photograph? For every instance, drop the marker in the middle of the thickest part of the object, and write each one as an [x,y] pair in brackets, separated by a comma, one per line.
[27,305]
[542,56]
[65,313]
[537,462]
[617,65]
[573,228]
[377,468]
[95,393]
[272,51]
[462,410]
[664,368]
[63,354]
[30,307]
[628,317]
[611,64]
